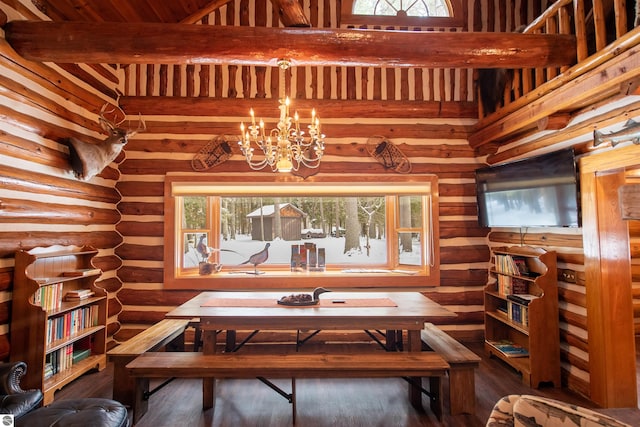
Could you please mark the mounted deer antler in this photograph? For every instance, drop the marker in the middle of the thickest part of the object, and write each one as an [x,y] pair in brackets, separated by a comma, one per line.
[88,160]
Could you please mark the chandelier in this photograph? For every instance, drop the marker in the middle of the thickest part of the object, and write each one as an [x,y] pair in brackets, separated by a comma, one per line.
[285,147]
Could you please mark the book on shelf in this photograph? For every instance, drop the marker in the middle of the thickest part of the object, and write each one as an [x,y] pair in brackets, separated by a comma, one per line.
[79,294]
[82,272]
[523,299]
[79,355]
[520,264]
[509,348]
[49,297]
[518,313]
[518,286]
[505,264]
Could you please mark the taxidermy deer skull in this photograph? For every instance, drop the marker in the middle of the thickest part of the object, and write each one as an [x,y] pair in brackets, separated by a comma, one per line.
[88,160]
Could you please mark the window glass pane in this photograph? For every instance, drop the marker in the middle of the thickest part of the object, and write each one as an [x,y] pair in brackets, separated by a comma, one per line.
[409,249]
[410,211]
[405,7]
[351,230]
[194,212]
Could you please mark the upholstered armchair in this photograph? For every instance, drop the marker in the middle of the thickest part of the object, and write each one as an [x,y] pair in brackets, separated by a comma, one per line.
[13,399]
[526,411]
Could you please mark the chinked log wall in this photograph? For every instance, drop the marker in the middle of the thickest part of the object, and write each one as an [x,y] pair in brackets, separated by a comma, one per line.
[433,147]
[41,202]
[435,143]
[35,168]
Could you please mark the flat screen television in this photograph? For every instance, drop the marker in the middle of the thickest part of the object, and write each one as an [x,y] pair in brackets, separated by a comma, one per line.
[540,191]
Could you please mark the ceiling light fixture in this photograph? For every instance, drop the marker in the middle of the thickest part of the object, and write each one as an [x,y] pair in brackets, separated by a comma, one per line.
[285,147]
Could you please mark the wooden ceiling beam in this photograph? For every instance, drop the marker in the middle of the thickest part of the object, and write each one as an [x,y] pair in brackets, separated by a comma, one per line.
[145,43]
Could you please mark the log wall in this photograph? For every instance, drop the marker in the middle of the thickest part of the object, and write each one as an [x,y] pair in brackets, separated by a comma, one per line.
[121,211]
[41,202]
[434,144]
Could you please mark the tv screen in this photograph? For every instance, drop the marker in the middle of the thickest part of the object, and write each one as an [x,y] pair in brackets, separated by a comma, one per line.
[540,191]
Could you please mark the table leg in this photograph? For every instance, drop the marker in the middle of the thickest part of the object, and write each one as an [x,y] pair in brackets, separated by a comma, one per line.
[390,337]
[230,343]
[208,384]
[415,392]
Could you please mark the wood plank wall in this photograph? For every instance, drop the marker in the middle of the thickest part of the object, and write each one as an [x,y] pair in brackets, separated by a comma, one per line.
[41,202]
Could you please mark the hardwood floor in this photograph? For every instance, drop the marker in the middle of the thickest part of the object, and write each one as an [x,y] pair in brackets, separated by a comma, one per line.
[326,402]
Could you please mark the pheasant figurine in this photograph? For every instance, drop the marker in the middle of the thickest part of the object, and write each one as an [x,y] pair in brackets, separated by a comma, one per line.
[258,258]
[202,248]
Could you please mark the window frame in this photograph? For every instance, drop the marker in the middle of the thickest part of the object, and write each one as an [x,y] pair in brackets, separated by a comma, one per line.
[348,18]
[176,185]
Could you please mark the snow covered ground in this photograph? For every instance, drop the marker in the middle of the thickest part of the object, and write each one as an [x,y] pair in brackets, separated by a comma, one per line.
[280,251]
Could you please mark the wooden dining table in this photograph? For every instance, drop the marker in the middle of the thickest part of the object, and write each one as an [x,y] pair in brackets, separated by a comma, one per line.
[392,312]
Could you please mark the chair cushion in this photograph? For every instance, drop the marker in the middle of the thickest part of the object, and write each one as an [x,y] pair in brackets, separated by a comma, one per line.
[21,403]
[525,410]
[92,412]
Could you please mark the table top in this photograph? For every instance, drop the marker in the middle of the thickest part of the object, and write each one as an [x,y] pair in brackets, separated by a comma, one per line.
[388,310]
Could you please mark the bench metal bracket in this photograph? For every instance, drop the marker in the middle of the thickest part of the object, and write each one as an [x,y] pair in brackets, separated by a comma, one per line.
[281,392]
[244,341]
[147,394]
[433,395]
[300,342]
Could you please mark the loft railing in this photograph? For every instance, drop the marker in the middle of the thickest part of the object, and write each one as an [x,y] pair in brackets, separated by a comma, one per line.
[600,28]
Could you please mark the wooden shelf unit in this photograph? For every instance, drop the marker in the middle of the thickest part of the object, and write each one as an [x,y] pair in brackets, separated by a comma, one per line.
[539,331]
[30,322]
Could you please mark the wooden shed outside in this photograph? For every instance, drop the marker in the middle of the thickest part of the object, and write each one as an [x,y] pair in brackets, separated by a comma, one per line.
[290,217]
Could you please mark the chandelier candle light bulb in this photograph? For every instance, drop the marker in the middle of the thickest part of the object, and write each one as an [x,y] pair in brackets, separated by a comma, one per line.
[292,148]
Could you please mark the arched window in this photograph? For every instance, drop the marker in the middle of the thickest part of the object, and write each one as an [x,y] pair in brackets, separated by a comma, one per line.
[402,8]
[437,13]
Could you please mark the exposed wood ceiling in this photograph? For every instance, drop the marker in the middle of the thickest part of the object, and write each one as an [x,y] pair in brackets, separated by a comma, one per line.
[241,46]
[160,11]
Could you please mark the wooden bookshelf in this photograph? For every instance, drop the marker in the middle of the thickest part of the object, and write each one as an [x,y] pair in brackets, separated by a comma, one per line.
[531,325]
[46,330]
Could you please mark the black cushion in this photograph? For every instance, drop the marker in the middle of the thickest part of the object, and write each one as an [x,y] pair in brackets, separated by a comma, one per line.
[21,403]
[92,412]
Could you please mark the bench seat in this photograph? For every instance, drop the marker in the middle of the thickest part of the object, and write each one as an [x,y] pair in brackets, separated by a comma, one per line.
[166,332]
[463,362]
[296,365]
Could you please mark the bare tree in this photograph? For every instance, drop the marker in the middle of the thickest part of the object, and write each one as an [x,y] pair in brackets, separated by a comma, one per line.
[261,220]
[277,224]
[224,219]
[406,245]
[352,233]
[232,219]
[323,223]
[369,206]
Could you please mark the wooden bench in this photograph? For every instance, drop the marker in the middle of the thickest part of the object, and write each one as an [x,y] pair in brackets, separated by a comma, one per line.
[297,365]
[463,362]
[167,332]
